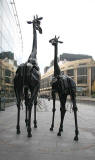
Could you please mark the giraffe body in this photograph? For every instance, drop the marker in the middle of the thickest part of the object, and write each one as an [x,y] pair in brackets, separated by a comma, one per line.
[27,81]
[64,86]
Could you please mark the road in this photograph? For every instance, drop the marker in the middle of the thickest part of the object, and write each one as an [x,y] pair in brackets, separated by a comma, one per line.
[45,145]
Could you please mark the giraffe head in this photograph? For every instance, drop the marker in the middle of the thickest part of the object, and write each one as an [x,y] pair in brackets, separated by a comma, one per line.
[36,23]
[54,41]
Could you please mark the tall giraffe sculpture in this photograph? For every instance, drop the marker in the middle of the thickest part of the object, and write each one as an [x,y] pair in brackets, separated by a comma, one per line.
[63,85]
[27,81]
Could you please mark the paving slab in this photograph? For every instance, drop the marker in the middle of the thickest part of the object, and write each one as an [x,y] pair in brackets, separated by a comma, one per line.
[46,145]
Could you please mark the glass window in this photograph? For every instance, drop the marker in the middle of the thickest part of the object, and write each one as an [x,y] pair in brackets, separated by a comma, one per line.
[82,79]
[82,75]
[93,79]
[92,74]
[70,72]
[82,71]
[7,80]
[7,72]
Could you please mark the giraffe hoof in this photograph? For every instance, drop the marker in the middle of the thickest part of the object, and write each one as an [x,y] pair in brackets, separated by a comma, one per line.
[51,129]
[29,135]
[18,132]
[76,138]
[35,126]
[59,134]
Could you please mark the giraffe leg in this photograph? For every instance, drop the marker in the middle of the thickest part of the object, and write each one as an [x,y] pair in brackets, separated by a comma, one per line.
[53,110]
[35,106]
[26,107]
[18,118]
[63,111]
[29,122]
[26,118]
[30,104]
[17,93]
[73,98]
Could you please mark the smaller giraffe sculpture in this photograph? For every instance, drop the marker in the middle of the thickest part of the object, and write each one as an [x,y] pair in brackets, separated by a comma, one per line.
[64,86]
[27,81]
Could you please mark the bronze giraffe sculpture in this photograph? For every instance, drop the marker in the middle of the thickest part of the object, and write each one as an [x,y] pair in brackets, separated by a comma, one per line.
[63,85]
[27,81]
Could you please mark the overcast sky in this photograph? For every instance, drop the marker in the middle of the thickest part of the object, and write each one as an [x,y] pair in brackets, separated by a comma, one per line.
[72,20]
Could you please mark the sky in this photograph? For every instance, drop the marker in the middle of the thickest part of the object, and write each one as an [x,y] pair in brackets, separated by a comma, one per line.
[72,20]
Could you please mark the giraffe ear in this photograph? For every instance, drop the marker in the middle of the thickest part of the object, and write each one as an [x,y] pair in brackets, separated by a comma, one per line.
[29,22]
[40,18]
[60,41]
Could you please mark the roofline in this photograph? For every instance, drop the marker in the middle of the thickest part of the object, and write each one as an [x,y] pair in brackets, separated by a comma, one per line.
[66,66]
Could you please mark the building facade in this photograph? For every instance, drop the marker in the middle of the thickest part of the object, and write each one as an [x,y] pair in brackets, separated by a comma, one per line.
[7,72]
[81,71]
[11,44]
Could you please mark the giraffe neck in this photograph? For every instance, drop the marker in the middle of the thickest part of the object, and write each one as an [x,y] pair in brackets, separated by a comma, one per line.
[34,46]
[56,66]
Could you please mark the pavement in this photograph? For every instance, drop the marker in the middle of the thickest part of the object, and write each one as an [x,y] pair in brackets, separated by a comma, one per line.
[46,145]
